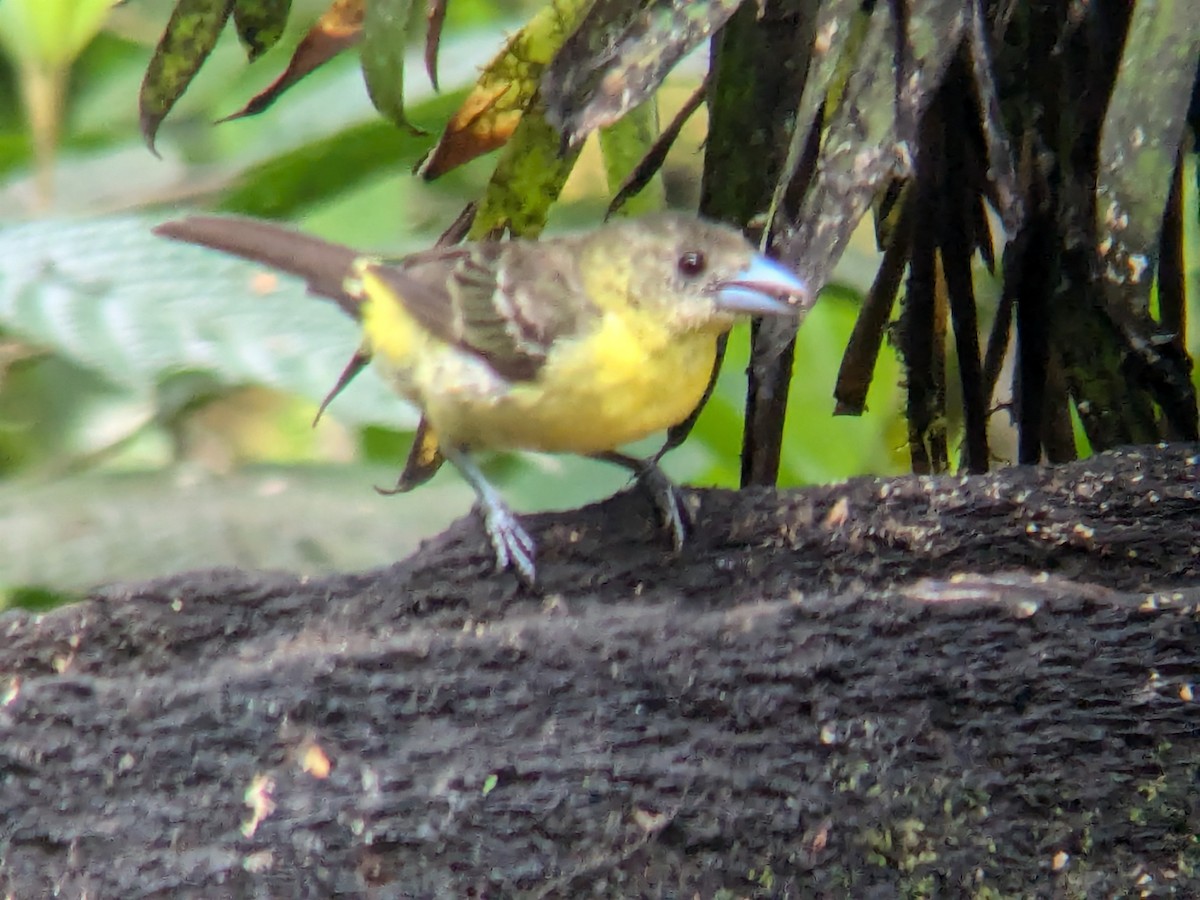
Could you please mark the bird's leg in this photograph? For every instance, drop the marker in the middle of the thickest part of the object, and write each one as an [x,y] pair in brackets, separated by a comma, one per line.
[512,544]
[665,496]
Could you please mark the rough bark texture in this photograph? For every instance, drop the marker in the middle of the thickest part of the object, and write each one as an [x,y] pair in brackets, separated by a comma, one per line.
[803,704]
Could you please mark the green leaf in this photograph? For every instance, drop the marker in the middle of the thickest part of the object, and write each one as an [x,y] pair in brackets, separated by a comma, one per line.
[527,180]
[189,38]
[260,23]
[624,145]
[385,35]
[35,598]
[111,297]
[326,168]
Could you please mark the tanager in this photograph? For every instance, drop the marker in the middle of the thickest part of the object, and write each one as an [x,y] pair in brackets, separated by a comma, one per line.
[578,344]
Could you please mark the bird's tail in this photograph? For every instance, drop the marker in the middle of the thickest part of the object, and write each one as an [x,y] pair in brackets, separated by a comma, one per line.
[323,265]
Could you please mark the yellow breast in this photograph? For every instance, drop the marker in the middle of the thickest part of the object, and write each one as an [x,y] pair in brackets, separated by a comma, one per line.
[600,392]
[596,392]
[628,377]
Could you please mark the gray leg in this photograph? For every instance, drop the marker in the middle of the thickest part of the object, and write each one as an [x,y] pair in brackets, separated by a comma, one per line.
[512,544]
[675,516]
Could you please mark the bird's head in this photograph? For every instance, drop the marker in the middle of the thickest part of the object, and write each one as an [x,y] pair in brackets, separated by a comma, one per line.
[700,275]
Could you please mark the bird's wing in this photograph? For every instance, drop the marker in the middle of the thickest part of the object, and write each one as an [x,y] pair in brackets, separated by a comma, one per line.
[506,302]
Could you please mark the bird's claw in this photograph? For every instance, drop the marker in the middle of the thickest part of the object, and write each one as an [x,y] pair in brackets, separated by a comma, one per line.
[513,546]
[669,502]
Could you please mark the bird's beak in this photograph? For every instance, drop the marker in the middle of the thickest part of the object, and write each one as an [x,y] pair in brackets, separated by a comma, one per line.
[762,289]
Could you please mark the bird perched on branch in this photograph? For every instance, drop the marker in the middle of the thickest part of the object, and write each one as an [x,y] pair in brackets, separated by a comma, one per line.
[576,344]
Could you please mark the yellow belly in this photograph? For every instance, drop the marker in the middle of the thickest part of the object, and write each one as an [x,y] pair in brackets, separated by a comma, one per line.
[628,379]
[594,396]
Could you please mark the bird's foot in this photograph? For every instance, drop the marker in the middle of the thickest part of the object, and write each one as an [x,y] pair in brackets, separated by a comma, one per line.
[666,497]
[513,546]
[669,501]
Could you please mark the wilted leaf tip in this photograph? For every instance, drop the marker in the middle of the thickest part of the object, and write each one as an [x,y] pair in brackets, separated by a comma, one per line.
[435,18]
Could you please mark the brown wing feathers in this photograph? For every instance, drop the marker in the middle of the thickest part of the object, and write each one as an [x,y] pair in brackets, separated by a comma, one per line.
[456,294]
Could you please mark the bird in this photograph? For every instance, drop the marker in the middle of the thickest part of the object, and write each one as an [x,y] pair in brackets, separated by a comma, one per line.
[580,343]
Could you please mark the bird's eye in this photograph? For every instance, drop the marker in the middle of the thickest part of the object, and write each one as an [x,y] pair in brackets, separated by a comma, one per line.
[692,263]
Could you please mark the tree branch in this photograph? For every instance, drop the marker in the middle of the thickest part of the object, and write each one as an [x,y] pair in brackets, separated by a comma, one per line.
[906,687]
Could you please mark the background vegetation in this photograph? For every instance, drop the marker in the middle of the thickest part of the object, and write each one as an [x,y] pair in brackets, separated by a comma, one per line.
[155,400]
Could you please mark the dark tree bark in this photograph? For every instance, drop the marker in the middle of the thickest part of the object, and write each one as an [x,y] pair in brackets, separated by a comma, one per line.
[918,687]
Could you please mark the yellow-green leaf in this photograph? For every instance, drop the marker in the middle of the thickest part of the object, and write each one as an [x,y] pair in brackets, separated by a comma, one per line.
[260,23]
[625,144]
[490,114]
[385,33]
[527,180]
[646,172]
[189,38]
